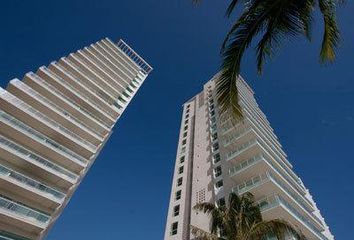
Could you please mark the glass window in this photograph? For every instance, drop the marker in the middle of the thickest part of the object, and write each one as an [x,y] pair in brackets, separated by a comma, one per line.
[216,158]
[186,127]
[215,146]
[219,184]
[186,121]
[179,181]
[214,136]
[217,171]
[178,195]
[180,169]
[181,160]
[184,142]
[185,134]
[176,211]
[174,227]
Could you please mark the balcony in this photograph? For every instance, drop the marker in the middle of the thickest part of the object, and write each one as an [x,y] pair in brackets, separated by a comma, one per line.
[27,136]
[14,181]
[50,109]
[254,147]
[23,216]
[49,127]
[258,164]
[85,89]
[105,57]
[275,206]
[106,68]
[29,161]
[266,183]
[50,92]
[119,54]
[106,51]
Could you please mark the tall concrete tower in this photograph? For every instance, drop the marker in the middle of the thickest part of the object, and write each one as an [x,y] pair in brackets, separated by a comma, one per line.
[216,157]
[53,125]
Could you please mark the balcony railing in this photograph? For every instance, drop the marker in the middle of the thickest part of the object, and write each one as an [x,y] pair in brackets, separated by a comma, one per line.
[22,105]
[10,236]
[5,171]
[265,177]
[260,157]
[134,56]
[28,154]
[253,142]
[276,200]
[74,104]
[22,210]
[40,137]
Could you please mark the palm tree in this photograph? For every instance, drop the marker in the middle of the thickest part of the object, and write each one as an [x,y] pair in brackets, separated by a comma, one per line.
[272,21]
[241,220]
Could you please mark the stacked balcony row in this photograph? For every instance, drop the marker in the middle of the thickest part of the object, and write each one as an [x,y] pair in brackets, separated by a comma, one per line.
[52,126]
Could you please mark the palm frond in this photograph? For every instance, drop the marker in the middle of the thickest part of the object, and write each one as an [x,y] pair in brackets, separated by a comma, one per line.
[331,32]
[276,227]
[200,234]
[205,207]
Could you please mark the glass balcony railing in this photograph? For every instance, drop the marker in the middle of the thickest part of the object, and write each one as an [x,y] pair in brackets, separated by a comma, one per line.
[107,98]
[22,105]
[253,142]
[268,176]
[28,154]
[240,148]
[10,236]
[54,106]
[40,137]
[22,210]
[260,157]
[5,171]
[74,104]
[235,136]
[276,200]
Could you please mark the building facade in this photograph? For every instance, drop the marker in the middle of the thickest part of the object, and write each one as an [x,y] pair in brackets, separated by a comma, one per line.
[216,157]
[54,123]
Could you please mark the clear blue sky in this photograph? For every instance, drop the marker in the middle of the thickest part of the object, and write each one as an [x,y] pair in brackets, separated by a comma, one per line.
[125,195]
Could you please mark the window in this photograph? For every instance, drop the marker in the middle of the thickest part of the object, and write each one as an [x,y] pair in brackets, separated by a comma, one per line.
[217,171]
[174,227]
[215,146]
[180,170]
[186,127]
[187,116]
[221,202]
[183,150]
[188,106]
[219,184]
[178,195]
[213,120]
[176,211]
[214,136]
[187,110]
[179,181]
[185,122]
[185,134]
[216,158]
[184,142]
[181,160]
[212,113]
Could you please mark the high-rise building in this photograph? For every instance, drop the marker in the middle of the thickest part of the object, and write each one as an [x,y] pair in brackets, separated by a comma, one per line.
[216,157]
[53,125]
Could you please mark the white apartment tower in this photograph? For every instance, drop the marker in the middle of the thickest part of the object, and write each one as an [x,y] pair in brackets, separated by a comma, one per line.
[53,125]
[216,157]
